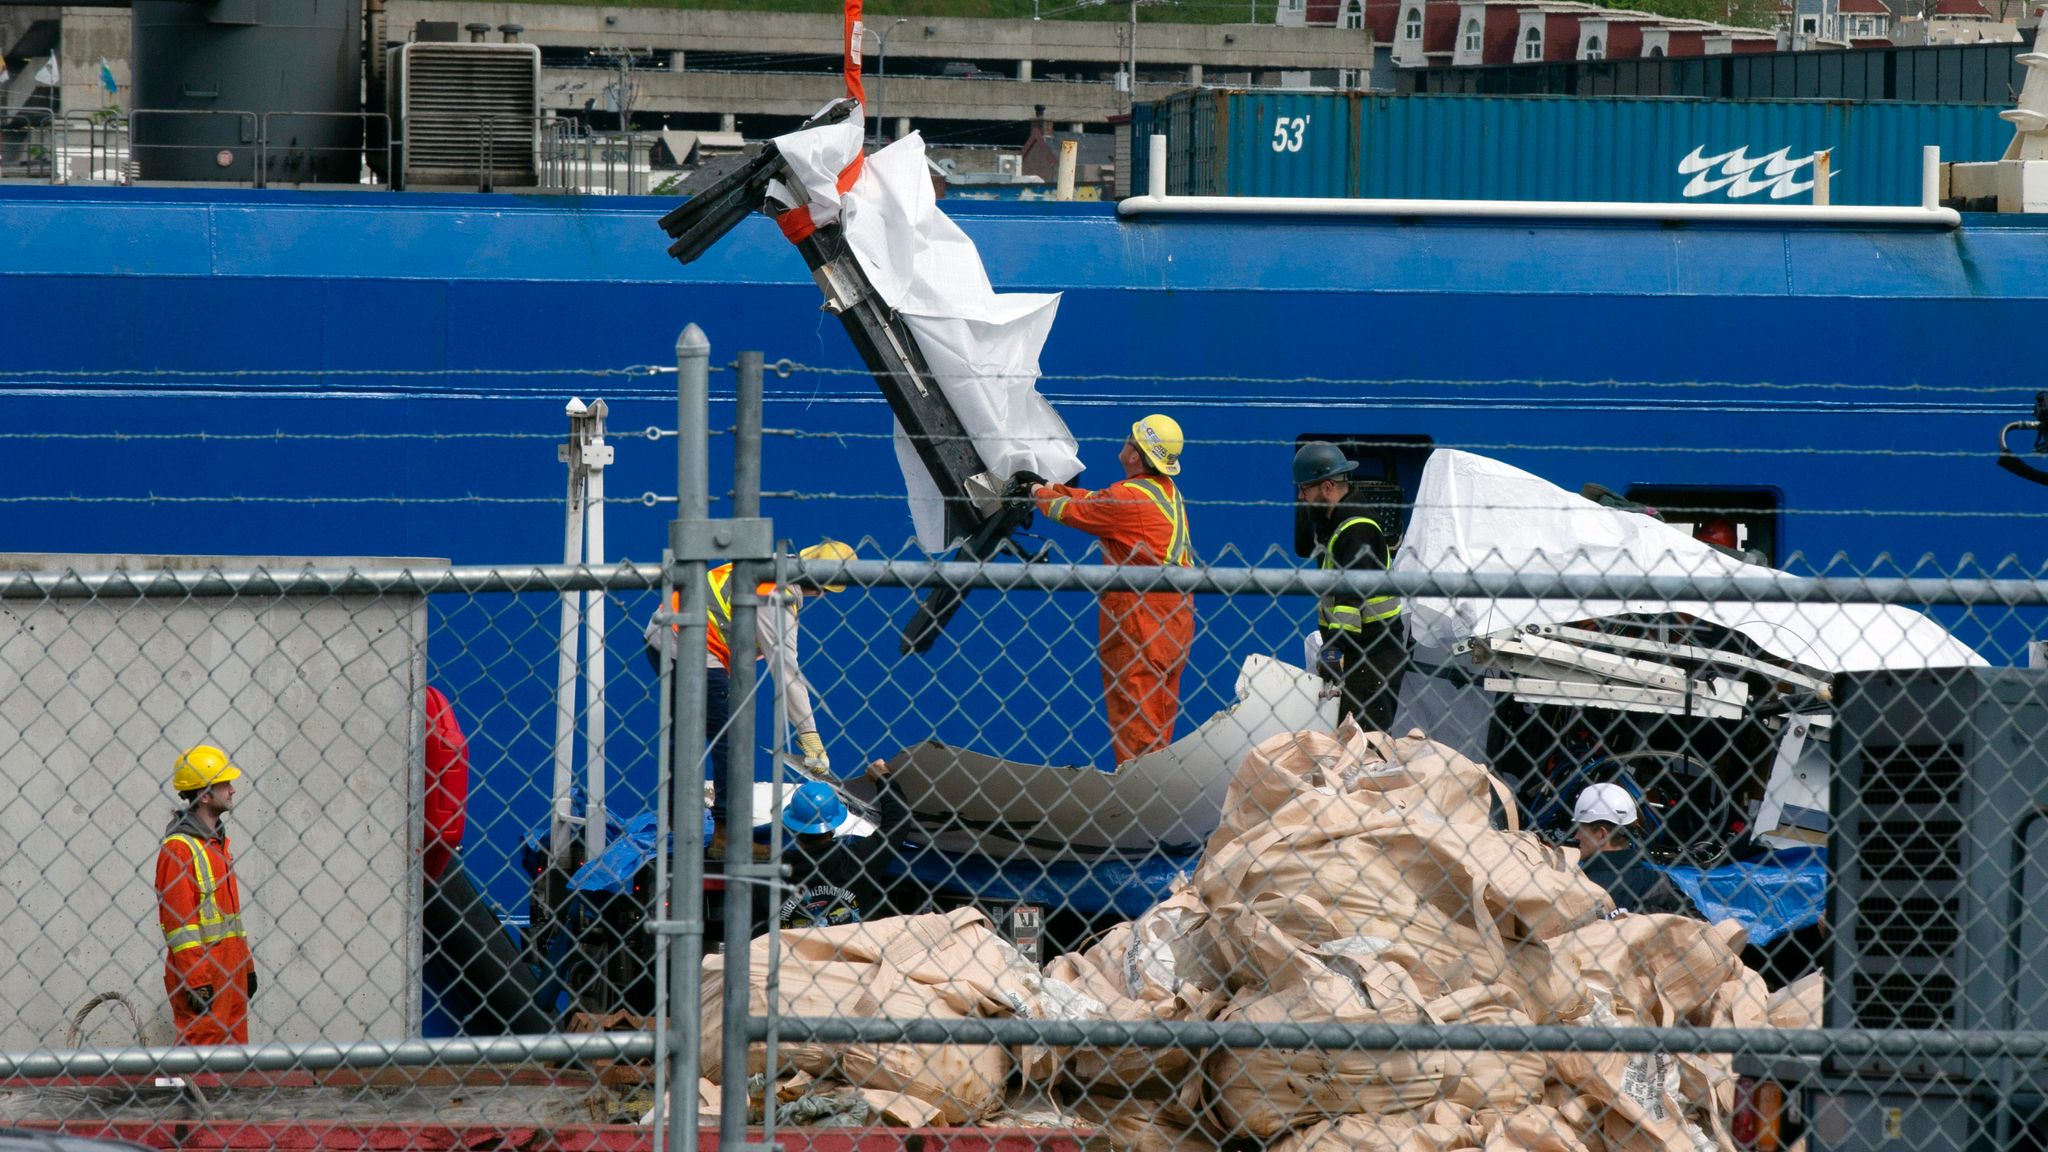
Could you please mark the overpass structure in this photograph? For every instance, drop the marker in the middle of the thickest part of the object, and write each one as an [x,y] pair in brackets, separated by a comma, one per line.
[741,64]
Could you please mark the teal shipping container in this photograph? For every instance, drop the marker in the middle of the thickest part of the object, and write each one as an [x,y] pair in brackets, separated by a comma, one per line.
[1228,142]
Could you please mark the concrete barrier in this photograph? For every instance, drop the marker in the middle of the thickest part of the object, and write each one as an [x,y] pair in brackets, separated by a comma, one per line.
[317,699]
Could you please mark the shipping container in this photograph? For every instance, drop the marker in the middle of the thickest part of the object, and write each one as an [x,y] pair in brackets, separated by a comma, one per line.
[1331,144]
[1940,74]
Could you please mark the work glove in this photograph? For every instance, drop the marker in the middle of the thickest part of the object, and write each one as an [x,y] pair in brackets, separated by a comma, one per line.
[1330,662]
[252,981]
[199,999]
[1330,669]
[813,747]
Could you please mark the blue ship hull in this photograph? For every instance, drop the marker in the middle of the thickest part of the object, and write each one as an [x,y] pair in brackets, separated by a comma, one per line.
[1863,373]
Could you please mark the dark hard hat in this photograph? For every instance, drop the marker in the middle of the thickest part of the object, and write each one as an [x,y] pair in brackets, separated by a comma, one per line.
[1319,461]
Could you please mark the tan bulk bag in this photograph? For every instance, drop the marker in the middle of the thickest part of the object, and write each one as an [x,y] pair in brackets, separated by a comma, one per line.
[1442,955]
[1414,773]
[1661,969]
[806,988]
[1277,770]
[961,1082]
[1506,1080]
[1169,952]
[1538,1128]
[1144,1123]
[958,953]
[1396,776]
[1099,973]
[1799,1004]
[1441,1127]
[1263,1092]
[1366,872]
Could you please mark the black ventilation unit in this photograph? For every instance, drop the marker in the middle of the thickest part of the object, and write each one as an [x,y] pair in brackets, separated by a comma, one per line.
[1940,856]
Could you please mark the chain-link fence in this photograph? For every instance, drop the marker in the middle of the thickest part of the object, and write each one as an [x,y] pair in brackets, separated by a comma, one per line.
[1607,839]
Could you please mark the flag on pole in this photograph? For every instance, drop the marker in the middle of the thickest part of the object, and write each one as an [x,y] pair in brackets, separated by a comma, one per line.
[47,74]
[107,77]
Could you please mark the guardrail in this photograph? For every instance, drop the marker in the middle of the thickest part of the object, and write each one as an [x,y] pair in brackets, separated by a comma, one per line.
[99,148]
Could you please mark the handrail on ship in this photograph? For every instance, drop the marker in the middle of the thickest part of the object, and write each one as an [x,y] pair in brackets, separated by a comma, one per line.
[1929,212]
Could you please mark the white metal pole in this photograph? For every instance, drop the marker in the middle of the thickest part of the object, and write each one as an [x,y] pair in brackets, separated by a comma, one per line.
[563,819]
[1930,177]
[1132,91]
[1155,166]
[596,454]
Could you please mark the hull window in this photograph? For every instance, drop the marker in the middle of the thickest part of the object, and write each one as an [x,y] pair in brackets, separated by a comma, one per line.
[1740,519]
[1389,470]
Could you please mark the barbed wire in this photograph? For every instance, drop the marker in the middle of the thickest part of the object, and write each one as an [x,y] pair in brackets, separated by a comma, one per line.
[656,433]
[630,370]
[280,435]
[1196,501]
[1463,445]
[786,368]
[798,367]
[651,499]
[647,499]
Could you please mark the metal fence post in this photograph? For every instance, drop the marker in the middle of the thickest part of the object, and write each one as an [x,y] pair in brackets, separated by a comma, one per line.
[686,805]
[739,782]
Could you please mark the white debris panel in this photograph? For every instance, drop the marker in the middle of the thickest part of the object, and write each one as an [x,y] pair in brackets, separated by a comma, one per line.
[1172,796]
[981,345]
[1473,513]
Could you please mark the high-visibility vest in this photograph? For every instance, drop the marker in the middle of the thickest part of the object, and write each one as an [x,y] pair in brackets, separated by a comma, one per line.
[718,613]
[1346,617]
[1180,549]
[212,926]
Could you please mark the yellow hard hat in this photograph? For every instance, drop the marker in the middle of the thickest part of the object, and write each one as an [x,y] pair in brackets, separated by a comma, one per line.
[829,550]
[1159,438]
[202,766]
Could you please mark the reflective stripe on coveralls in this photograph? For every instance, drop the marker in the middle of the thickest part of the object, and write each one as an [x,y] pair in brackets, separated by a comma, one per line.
[212,927]
[1349,617]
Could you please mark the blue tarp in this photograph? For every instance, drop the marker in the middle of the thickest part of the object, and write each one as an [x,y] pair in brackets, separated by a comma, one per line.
[1126,886]
[625,853]
[1769,896]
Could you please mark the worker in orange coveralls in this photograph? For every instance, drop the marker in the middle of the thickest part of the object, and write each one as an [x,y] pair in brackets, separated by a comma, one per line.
[207,969]
[1144,636]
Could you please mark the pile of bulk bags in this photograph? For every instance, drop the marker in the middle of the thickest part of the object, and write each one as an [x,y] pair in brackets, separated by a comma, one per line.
[1357,878]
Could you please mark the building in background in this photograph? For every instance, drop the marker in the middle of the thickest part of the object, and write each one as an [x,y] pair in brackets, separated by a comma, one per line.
[1459,33]
[1964,22]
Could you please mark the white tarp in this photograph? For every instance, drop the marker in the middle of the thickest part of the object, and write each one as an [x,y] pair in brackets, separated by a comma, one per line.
[981,345]
[1473,513]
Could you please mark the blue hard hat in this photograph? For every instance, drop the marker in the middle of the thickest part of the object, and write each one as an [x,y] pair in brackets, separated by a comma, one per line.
[813,809]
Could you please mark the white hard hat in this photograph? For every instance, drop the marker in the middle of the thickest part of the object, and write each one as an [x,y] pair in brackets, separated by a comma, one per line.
[1605,804]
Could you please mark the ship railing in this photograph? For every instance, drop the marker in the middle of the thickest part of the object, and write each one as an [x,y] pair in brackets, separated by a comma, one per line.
[576,159]
[375,141]
[100,148]
[64,147]
[31,144]
[239,159]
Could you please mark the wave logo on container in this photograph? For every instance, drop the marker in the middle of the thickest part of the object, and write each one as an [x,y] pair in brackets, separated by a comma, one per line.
[1745,175]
